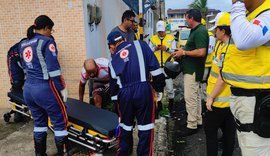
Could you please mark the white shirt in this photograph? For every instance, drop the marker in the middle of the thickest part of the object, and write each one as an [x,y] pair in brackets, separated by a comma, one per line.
[247,34]
[103,73]
[212,43]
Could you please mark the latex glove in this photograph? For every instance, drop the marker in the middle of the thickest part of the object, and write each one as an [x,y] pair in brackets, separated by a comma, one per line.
[64,94]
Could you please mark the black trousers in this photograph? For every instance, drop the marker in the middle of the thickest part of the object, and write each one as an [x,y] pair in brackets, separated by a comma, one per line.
[220,118]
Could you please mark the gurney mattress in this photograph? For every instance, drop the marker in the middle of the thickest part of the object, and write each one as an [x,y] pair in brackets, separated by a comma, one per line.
[83,114]
[90,117]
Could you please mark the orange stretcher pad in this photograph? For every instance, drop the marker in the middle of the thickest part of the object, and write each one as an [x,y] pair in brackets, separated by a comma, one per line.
[88,126]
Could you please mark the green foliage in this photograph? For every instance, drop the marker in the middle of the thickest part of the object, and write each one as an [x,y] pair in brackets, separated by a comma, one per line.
[200,5]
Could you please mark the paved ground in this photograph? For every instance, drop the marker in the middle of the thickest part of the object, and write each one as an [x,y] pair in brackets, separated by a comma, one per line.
[194,145]
[16,139]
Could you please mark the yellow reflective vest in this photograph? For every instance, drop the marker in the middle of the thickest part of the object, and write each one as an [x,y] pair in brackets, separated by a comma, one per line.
[137,35]
[162,56]
[222,100]
[248,69]
[208,61]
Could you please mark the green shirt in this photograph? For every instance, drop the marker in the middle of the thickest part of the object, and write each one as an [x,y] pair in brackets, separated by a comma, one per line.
[198,38]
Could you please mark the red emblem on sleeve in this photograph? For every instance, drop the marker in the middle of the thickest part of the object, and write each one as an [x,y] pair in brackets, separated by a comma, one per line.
[124,53]
[52,48]
[28,54]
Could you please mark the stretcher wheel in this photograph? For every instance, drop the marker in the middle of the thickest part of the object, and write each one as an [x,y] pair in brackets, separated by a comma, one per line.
[7,117]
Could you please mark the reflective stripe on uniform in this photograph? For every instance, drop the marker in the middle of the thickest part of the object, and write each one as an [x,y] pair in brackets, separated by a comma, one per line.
[61,133]
[146,127]
[246,79]
[42,61]
[125,127]
[40,129]
[114,76]
[19,64]
[214,74]
[114,97]
[156,72]
[141,60]
[222,99]
[55,73]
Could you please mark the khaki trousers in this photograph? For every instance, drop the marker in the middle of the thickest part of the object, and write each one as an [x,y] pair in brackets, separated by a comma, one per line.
[251,144]
[193,101]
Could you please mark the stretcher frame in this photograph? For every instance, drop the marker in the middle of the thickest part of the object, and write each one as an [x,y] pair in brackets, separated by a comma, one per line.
[88,138]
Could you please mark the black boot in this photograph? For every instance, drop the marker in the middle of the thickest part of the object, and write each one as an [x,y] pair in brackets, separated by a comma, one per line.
[158,109]
[171,107]
[62,147]
[159,106]
[40,146]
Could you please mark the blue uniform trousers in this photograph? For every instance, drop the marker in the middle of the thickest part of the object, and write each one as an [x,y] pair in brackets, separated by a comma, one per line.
[44,100]
[136,100]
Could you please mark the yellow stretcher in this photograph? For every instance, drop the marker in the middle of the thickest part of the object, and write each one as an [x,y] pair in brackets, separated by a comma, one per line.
[88,126]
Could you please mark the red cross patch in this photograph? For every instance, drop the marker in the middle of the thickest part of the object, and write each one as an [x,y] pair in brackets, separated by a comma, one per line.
[28,54]
[124,53]
[52,48]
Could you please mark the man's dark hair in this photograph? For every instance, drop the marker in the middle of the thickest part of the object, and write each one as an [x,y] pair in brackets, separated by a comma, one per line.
[195,13]
[226,28]
[127,15]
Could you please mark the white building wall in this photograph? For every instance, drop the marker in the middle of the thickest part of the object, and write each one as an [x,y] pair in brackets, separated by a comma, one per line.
[149,26]
[96,43]
[112,10]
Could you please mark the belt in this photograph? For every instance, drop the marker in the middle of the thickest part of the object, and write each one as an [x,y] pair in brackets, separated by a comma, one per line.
[243,127]
[247,92]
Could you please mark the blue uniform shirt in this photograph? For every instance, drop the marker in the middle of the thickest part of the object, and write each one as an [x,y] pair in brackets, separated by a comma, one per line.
[132,63]
[39,55]
[15,70]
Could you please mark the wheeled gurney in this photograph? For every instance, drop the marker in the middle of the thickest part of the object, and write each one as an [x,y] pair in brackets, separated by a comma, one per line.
[88,126]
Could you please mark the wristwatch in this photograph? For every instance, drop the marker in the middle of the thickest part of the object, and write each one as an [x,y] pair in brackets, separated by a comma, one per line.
[242,1]
[184,53]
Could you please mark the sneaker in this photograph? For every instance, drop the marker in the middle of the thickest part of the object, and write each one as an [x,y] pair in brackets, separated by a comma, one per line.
[188,132]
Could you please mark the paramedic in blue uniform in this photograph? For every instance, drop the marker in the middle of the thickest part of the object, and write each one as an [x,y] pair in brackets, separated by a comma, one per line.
[16,75]
[44,89]
[15,70]
[131,65]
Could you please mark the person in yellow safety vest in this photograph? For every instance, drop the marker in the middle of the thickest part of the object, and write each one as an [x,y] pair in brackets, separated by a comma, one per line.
[136,32]
[219,115]
[163,45]
[212,43]
[208,61]
[246,68]
[135,29]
